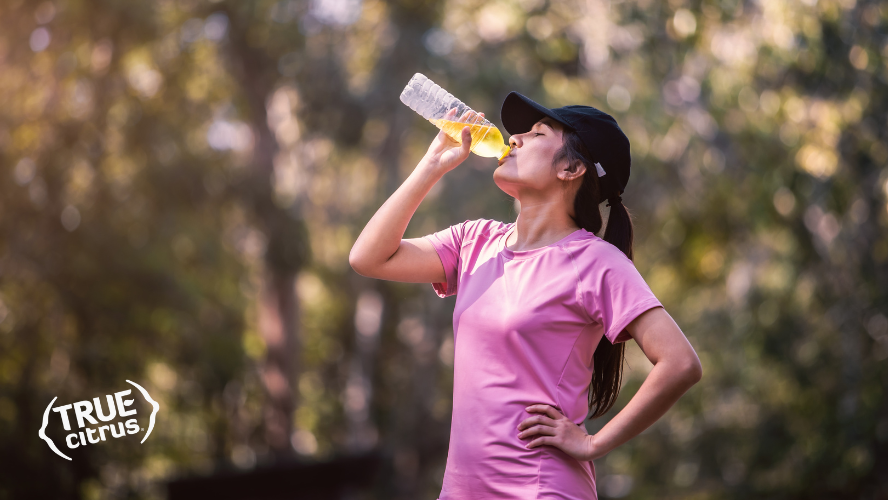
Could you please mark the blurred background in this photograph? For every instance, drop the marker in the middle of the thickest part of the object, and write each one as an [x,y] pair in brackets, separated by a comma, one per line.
[181,183]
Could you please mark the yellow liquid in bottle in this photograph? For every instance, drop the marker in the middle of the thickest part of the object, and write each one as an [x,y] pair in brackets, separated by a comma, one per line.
[487,140]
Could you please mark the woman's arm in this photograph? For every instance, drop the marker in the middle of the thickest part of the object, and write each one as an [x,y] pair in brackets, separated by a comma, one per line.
[380,252]
[676,369]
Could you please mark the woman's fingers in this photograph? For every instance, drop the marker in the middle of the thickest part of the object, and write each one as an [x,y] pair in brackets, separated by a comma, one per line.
[466,141]
[471,117]
[536,419]
[550,428]
[541,441]
[546,409]
[542,430]
[545,423]
[448,141]
[448,152]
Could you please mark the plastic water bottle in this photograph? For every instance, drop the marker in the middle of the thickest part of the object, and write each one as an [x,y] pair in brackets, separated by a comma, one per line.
[433,103]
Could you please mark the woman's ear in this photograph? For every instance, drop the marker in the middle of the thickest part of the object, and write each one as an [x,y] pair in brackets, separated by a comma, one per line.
[572,171]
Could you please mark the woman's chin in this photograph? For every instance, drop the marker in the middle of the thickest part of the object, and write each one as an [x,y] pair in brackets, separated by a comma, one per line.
[504,186]
[502,177]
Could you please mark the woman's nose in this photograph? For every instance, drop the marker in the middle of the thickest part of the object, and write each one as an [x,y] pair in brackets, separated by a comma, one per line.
[514,141]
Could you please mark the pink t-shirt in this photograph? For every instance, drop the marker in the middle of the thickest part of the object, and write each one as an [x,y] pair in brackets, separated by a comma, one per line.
[525,326]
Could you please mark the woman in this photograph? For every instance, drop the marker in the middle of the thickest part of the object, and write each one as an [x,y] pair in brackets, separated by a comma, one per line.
[543,305]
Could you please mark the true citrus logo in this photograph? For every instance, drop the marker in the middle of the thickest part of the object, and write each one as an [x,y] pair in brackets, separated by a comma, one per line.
[83,414]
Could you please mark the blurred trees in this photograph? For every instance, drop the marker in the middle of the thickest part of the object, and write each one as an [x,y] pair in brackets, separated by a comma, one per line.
[182,182]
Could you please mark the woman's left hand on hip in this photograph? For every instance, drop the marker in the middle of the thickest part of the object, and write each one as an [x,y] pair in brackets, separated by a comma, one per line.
[549,427]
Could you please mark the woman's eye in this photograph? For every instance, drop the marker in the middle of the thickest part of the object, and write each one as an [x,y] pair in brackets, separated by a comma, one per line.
[537,133]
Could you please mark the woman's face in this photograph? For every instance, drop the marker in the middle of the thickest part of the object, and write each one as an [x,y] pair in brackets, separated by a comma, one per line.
[528,170]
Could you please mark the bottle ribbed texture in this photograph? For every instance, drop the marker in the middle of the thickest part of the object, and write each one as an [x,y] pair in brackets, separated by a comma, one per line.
[432,102]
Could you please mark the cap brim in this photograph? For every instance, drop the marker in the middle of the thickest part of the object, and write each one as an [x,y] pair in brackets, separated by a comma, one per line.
[519,113]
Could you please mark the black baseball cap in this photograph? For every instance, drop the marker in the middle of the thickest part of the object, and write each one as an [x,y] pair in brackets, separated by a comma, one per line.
[598,131]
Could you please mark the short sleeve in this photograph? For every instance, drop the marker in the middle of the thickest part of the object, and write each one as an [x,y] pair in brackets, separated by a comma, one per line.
[448,243]
[614,293]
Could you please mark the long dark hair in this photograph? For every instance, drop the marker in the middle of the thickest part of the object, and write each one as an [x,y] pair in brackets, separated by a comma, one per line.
[608,358]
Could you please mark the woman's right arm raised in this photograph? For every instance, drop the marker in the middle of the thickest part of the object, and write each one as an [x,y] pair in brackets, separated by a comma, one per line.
[380,252]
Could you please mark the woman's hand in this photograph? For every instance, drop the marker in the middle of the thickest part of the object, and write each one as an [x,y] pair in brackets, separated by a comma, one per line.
[445,153]
[550,427]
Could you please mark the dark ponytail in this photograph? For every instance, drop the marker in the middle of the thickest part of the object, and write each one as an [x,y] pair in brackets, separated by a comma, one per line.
[608,358]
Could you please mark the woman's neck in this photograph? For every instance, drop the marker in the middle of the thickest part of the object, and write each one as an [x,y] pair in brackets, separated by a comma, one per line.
[540,224]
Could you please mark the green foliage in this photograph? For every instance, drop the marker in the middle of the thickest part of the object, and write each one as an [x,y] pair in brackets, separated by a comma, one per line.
[161,160]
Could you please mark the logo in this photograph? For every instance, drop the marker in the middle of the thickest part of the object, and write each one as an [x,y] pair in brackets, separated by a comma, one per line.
[83,415]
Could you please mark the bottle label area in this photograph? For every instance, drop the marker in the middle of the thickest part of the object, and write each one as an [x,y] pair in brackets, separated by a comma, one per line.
[487,140]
